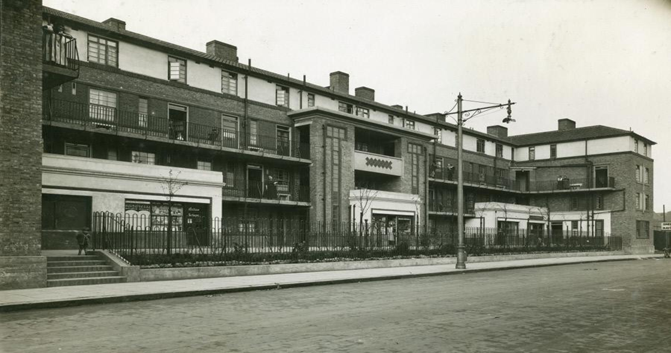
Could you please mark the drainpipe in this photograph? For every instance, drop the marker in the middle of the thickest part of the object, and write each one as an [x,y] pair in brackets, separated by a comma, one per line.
[302,92]
[324,173]
[426,190]
[246,116]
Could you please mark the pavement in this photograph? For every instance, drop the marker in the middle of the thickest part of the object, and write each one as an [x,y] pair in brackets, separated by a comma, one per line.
[24,299]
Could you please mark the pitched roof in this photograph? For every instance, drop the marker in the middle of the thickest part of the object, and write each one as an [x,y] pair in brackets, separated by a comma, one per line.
[582,133]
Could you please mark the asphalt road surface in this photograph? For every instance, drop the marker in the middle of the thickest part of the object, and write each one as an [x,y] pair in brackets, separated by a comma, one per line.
[605,307]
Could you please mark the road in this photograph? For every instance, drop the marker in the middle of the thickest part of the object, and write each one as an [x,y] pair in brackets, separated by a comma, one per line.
[604,307]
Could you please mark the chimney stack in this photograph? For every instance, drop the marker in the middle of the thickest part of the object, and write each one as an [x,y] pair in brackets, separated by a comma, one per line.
[365,93]
[339,82]
[117,24]
[222,50]
[497,130]
[566,124]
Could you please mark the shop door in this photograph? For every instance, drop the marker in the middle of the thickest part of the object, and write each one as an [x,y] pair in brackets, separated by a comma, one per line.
[196,225]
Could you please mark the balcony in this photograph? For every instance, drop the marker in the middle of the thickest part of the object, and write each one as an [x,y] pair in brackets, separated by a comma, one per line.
[60,59]
[113,120]
[564,185]
[485,180]
[266,192]
[378,163]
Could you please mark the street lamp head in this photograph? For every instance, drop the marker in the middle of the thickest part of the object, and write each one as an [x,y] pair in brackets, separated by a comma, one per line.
[509,119]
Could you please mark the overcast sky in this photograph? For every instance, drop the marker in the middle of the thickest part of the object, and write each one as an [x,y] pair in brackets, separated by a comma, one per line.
[596,62]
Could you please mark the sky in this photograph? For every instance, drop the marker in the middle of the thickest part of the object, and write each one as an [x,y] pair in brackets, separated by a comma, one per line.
[599,62]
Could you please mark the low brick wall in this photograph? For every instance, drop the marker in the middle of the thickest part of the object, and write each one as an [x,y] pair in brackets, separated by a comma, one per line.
[166,274]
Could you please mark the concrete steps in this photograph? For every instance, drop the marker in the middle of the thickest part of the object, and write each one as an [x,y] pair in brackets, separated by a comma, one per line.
[79,270]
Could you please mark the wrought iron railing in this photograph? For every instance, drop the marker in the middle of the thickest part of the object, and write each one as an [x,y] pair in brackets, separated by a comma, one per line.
[60,49]
[135,239]
[113,119]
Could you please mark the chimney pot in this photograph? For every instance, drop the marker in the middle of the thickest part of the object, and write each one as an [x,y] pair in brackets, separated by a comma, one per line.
[222,50]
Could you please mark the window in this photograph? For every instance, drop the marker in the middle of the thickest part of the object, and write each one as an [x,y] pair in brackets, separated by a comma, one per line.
[112,154]
[362,112]
[410,124]
[415,151]
[439,134]
[532,153]
[645,149]
[176,69]
[599,202]
[553,151]
[60,88]
[102,51]
[646,175]
[143,157]
[335,132]
[77,150]
[229,176]
[281,176]
[642,229]
[74,88]
[143,110]
[311,100]
[229,82]
[204,165]
[639,201]
[638,173]
[636,146]
[390,119]
[499,150]
[345,108]
[646,203]
[481,145]
[282,96]
[253,132]
[334,138]
[102,105]
[229,131]
[574,204]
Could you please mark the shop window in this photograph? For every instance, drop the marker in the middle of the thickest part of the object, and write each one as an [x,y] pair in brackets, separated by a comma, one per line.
[61,212]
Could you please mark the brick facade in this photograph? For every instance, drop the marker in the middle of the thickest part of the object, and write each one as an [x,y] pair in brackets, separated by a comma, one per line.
[21,145]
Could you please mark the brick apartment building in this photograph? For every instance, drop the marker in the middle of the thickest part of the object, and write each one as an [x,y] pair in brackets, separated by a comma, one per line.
[120,113]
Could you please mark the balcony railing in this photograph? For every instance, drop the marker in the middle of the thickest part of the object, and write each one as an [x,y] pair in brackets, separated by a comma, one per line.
[450,206]
[267,190]
[117,120]
[474,178]
[60,50]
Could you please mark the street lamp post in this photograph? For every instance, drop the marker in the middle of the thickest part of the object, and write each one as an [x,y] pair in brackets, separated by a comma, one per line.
[461,248]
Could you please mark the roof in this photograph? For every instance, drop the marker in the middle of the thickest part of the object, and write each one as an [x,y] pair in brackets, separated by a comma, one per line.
[582,133]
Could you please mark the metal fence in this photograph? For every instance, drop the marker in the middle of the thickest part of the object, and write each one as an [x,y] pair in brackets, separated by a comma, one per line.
[135,239]
[59,49]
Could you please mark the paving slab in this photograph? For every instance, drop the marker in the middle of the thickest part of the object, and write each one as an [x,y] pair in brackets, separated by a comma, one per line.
[24,299]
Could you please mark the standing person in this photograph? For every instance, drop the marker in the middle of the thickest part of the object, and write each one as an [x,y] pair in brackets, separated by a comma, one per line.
[271,188]
[83,238]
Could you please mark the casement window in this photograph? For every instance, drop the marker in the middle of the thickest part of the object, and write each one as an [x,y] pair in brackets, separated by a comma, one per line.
[143,112]
[645,149]
[499,150]
[281,177]
[345,107]
[642,229]
[636,146]
[77,150]
[362,112]
[176,69]
[282,96]
[532,153]
[553,151]
[102,106]
[253,132]
[640,201]
[202,165]
[409,124]
[229,83]
[229,131]
[480,145]
[143,157]
[311,100]
[103,51]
